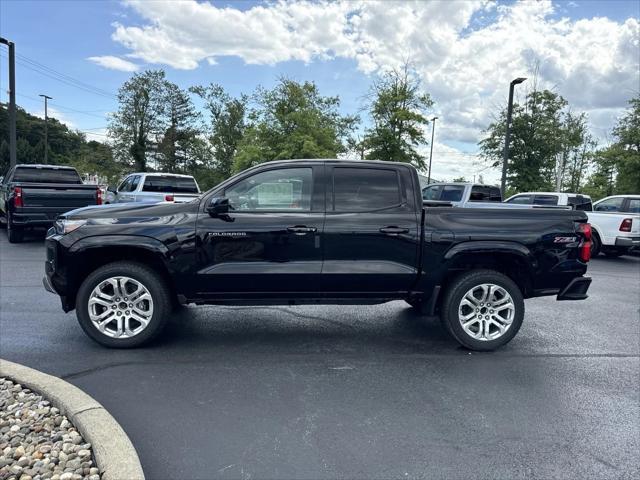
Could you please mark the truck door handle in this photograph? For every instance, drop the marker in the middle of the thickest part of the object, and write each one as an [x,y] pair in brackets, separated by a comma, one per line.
[301,230]
[394,230]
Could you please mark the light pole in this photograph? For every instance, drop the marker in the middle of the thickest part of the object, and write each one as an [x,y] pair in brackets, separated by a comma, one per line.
[507,135]
[433,131]
[46,128]
[12,100]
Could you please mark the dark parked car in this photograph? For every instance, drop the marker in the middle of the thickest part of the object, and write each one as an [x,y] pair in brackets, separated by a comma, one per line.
[313,231]
[34,196]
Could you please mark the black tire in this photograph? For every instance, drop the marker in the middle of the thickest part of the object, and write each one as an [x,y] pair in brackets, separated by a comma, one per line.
[615,252]
[14,234]
[455,294]
[150,279]
[596,245]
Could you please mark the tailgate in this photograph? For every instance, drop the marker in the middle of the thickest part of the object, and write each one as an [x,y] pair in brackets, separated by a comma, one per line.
[59,196]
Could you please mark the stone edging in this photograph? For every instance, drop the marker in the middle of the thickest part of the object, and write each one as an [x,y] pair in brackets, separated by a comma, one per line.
[114,453]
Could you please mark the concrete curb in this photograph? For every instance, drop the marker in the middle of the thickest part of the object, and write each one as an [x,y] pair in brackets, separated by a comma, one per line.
[115,455]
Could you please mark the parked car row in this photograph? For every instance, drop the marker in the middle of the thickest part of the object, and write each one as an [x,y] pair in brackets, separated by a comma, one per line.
[33,196]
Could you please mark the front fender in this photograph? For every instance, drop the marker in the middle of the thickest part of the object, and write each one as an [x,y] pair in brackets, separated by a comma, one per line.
[137,241]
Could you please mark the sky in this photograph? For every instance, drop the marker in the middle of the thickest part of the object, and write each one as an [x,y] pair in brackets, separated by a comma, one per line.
[464,52]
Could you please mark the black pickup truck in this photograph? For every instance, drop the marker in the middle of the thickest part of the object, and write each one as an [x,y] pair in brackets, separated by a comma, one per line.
[314,231]
[34,196]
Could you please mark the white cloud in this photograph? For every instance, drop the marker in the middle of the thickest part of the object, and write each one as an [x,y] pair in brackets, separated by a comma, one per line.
[114,63]
[466,52]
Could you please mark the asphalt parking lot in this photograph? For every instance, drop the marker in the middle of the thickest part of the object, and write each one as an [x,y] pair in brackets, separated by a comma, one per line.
[354,392]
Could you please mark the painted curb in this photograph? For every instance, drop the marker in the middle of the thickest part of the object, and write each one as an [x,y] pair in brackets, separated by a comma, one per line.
[115,455]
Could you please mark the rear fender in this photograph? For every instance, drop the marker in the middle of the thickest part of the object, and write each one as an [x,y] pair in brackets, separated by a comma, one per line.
[490,246]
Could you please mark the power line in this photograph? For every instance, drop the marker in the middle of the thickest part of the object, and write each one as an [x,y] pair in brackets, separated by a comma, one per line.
[61,77]
[65,77]
[64,108]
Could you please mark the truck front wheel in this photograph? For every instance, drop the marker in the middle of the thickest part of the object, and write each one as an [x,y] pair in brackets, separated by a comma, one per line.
[482,309]
[123,305]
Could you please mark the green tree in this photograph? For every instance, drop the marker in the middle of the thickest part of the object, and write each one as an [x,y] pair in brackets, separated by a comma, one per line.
[537,140]
[626,149]
[138,122]
[66,146]
[602,181]
[293,121]
[398,110]
[180,130]
[226,125]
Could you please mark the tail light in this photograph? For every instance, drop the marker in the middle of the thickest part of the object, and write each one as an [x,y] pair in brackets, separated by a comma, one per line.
[168,198]
[585,248]
[18,201]
[98,196]
[625,226]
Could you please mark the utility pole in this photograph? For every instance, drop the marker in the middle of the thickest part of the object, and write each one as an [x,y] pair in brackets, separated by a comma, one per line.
[433,131]
[12,100]
[507,135]
[46,129]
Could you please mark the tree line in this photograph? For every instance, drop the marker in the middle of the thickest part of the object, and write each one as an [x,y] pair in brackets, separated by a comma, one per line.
[551,149]
[209,133]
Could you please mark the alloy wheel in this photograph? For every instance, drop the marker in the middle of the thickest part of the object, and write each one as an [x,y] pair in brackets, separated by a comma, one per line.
[486,311]
[120,307]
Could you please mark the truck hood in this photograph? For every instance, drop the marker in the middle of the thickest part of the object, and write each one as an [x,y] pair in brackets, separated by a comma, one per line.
[130,210]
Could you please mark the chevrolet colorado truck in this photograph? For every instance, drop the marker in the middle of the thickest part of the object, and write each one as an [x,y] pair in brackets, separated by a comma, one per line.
[319,232]
[34,195]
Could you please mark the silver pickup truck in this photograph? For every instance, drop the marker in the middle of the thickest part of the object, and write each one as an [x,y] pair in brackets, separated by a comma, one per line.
[154,187]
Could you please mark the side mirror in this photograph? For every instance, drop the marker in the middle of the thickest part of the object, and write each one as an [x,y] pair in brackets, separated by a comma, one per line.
[111,189]
[218,207]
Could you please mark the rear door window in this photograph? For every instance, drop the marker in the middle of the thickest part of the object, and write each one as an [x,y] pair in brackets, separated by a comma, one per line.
[482,193]
[170,184]
[452,193]
[634,205]
[545,200]
[610,205]
[580,202]
[46,175]
[365,189]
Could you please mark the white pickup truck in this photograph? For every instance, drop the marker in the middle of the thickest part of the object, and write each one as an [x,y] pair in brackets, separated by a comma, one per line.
[153,188]
[615,222]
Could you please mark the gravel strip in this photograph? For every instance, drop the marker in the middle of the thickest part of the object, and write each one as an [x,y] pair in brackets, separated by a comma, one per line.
[37,442]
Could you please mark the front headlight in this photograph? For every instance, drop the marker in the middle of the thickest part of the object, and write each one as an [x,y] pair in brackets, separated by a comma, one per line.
[67,226]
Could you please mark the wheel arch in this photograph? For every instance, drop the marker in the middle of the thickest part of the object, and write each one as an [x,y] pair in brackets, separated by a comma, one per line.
[512,259]
[91,253]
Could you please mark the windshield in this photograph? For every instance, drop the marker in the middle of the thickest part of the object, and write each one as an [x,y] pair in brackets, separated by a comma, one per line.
[46,175]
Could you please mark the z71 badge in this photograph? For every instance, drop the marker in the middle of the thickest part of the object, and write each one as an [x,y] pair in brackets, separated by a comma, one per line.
[564,239]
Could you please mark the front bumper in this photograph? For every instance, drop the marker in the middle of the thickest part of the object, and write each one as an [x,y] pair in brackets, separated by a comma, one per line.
[55,278]
[627,241]
[576,289]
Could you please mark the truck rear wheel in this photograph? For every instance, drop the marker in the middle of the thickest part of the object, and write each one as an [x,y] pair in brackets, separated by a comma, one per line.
[14,234]
[483,309]
[123,305]
[596,244]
